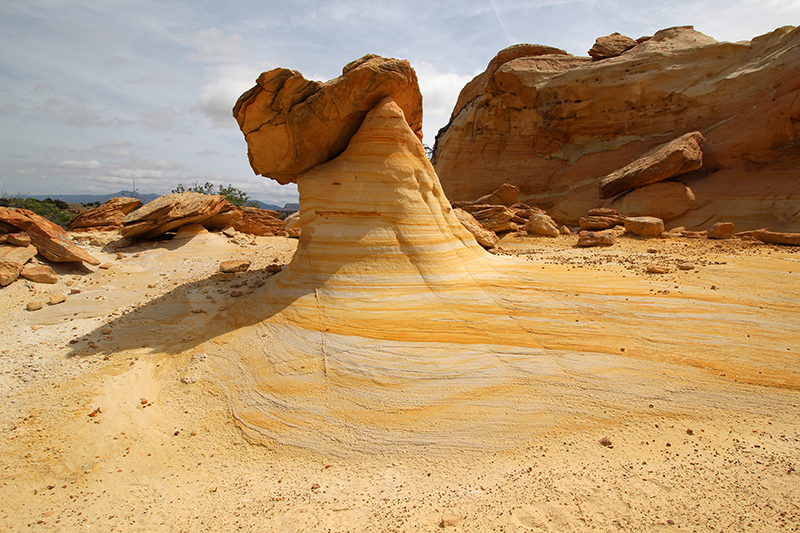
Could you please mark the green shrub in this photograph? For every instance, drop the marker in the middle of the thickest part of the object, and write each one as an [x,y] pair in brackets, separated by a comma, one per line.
[235,196]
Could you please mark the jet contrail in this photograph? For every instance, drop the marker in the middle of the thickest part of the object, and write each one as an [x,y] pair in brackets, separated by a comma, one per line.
[500,20]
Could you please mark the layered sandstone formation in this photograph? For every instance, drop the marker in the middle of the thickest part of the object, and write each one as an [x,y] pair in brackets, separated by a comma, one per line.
[555,125]
[391,326]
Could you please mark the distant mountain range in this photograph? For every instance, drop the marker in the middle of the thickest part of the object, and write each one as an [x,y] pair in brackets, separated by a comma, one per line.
[144,197]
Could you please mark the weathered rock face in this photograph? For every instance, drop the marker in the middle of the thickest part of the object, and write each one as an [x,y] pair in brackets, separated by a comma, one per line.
[108,216]
[554,125]
[292,124]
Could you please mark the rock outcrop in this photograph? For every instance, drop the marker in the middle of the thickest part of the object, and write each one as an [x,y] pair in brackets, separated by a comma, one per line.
[611,46]
[170,212]
[106,217]
[51,241]
[555,124]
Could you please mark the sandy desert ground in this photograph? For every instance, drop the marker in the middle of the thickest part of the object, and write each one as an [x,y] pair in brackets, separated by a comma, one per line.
[112,420]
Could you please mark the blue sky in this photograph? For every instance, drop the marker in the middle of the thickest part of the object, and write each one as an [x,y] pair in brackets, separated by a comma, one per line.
[97,95]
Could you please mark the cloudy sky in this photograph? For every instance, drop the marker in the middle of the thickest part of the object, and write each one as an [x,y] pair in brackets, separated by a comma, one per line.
[98,95]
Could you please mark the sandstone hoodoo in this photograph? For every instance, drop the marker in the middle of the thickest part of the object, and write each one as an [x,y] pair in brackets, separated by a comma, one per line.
[555,125]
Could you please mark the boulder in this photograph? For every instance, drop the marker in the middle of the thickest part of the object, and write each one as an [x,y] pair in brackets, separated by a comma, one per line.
[552,123]
[601,218]
[495,218]
[172,211]
[233,266]
[486,238]
[292,125]
[12,260]
[50,239]
[17,239]
[663,162]
[39,274]
[293,226]
[261,222]
[644,226]
[611,46]
[773,237]
[596,238]
[506,194]
[524,211]
[541,224]
[721,230]
[107,217]
[666,200]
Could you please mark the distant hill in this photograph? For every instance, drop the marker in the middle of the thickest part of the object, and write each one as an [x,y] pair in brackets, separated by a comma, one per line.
[144,197]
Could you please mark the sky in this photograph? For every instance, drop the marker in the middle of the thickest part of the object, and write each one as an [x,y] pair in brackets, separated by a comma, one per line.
[109,95]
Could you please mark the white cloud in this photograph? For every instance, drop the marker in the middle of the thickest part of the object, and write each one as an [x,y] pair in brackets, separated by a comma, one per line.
[226,83]
[79,165]
[440,91]
[213,46]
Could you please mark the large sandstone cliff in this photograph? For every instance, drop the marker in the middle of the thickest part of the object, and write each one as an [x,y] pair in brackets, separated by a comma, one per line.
[555,125]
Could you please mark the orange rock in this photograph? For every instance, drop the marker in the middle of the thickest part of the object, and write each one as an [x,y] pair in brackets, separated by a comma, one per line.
[611,46]
[644,226]
[772,237]
[261,222]
[108,216]
[172,211]
[666,161]
[50,239]
[596,238]
[292,124]
[721,230]
[555,124]
[486,238]
[39,274]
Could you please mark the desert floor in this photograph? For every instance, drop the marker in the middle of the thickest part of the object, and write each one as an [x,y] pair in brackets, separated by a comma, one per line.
[104,430]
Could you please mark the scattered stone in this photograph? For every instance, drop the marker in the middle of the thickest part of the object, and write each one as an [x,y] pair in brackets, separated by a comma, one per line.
[232,266]
[689,432]
[449,520]
[236,294]
[666,161]
[694,234]
[611,46]
[771,237]
[596,238]
[541,224]
[685,266]
[39,274]
[565,230]
[35,305]
[605,441]
[658,269]
[721,230]
[229,231]
[12,261]
[273,268]
[644,226]
[487,239]
[58,299]
[187,380]
[75,291]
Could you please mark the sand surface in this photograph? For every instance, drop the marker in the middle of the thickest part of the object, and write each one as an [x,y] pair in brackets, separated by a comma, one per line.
[162,451]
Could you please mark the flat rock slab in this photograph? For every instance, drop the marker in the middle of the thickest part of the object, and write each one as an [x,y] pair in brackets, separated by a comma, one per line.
[666,161]
[773,237]
[172,211]
[50,239]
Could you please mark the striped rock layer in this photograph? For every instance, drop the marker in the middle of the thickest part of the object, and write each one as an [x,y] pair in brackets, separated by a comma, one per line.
[392,329]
